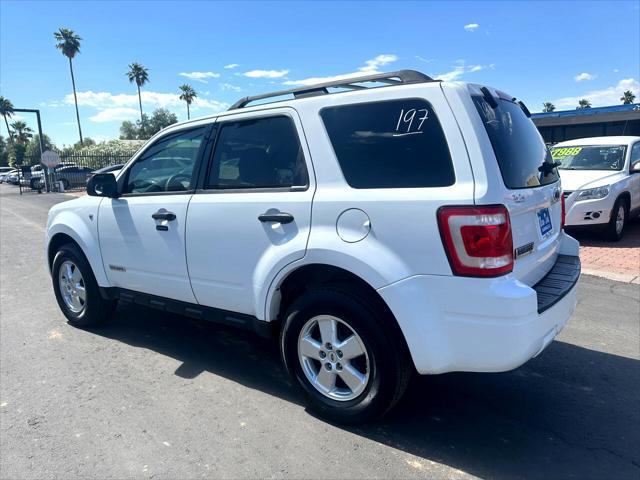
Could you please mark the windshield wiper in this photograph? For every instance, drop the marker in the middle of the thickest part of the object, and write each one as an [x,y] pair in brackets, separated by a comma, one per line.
[546,168]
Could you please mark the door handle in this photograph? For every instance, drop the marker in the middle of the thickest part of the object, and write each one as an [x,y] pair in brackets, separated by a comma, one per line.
[163,214]
[280,217]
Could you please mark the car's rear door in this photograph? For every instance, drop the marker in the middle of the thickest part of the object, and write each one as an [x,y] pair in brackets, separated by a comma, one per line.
[252,216]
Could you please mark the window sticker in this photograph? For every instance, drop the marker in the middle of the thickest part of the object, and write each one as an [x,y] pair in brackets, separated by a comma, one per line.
[565,152]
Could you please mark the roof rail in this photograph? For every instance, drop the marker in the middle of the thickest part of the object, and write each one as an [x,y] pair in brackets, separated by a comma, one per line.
[400,77]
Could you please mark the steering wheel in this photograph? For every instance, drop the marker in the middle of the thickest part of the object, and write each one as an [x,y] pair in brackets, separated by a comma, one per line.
[174,182]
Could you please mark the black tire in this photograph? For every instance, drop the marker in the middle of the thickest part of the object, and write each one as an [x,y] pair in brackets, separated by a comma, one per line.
[390,367]
[611,232]
[96,309]
[33,183]
[65,183]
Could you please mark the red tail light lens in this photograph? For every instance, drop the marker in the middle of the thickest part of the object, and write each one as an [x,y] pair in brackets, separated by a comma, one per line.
[564,211]
[477,240]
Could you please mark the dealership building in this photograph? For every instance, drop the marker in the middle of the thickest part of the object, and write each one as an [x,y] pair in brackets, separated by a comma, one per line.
[589,122]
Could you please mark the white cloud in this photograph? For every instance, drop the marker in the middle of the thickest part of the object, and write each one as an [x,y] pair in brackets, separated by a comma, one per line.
[600,98]
[379,61]
[425,60]
[199,76]
[616,70]
[115,114]
[266,73]
[231,66]
[471,27]
[228,86]
[113,107]
[460,70]
[584,76]
[370,67]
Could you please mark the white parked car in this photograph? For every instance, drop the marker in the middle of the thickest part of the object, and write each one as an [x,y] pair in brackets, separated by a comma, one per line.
[373,232]
[601,180]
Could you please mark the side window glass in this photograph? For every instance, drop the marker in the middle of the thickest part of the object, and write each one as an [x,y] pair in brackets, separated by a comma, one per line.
[635,153]
[258,153]
[168,165]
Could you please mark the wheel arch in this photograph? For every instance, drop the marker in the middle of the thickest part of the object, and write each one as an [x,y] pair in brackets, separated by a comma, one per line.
[62,232]
[318,275]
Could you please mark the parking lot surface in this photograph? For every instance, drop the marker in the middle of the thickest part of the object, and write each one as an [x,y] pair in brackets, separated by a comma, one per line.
[151,395]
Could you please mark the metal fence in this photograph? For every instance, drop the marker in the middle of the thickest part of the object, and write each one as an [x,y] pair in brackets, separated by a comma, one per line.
[70,174]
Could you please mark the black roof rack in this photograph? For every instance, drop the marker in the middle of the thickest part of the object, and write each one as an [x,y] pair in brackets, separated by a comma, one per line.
[400,77]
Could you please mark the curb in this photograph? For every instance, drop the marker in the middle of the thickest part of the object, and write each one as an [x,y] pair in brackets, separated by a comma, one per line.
[618,277]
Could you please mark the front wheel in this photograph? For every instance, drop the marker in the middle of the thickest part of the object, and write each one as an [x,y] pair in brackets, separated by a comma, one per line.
[344,355]
[615,227]
[76,288]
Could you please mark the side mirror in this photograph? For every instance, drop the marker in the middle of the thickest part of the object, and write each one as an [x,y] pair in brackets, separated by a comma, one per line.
[635,167]
[102,185]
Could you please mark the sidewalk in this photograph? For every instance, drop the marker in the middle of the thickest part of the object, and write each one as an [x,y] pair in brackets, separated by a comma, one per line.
[618,261]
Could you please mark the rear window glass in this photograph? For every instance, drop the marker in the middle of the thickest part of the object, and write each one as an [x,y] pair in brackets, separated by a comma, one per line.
[392,144]
[523,157]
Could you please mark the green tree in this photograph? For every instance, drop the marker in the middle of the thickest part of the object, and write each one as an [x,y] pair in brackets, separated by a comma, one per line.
[22,132]
[188,95]
[6,110]
[627,97]
[161,118]
[87,142]
[4,153]
[148,126]
[140,75]
[548,107]
[32,150]
[583,103]
[128,131]
[16,154]
[69,44]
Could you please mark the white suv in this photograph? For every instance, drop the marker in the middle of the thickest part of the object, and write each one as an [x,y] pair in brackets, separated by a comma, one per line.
[601,178]
[376,231]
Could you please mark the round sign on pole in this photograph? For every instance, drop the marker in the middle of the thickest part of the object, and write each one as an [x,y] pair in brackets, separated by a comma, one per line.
[50,159]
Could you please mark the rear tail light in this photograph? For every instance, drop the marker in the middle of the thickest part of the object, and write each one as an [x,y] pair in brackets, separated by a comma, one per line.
[477,240]
[564,212]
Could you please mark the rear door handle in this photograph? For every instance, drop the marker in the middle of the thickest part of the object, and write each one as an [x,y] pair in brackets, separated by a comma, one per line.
[280,217]
[163,214]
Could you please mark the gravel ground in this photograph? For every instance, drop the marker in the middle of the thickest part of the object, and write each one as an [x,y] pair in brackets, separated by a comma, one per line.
[158,396]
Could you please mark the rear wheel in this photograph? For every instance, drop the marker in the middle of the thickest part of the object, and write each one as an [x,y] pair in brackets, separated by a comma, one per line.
[342,353]
[618,221]
[76,288]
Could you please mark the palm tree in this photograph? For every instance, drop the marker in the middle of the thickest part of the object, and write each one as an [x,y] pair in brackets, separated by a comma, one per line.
[188,94]
[137,73]
[6,110]
[69,44]
[583,103]
[627,97]
[22,131]
[548,107]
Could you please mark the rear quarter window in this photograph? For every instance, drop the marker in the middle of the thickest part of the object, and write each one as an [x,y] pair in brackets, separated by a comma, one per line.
[390,144]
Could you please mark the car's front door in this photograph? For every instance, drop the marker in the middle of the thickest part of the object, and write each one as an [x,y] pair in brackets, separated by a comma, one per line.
[142,232]
[253,214]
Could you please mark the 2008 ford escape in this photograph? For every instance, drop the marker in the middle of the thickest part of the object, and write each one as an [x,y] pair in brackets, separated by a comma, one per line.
[378,225]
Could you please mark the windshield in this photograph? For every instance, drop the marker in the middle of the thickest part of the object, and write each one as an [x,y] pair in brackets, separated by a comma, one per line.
[522,155]
[592,157]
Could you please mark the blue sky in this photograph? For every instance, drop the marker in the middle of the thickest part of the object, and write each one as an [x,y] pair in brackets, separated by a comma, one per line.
[537,51]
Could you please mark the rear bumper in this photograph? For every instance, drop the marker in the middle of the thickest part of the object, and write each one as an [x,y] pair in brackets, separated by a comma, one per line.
[483,325]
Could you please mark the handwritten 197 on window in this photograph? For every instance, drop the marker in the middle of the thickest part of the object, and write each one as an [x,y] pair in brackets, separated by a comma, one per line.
[411,121]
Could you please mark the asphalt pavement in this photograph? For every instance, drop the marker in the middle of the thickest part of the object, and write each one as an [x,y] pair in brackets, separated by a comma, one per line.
[152,395]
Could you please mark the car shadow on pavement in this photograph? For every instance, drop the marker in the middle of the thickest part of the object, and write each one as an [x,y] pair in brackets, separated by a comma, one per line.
[571,412]
[630,239]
